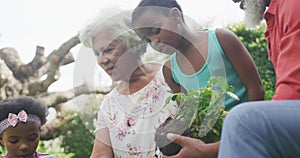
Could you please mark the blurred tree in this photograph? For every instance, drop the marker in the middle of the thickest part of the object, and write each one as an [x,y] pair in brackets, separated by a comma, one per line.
[254,41]
[34,78]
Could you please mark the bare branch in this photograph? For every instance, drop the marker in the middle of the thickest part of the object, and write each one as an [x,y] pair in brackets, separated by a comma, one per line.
[54,98]
[56,59]
[38,60]
[9,86]
[22,71]
[59,57]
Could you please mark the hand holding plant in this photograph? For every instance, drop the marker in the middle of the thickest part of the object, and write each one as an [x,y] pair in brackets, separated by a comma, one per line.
[200,115]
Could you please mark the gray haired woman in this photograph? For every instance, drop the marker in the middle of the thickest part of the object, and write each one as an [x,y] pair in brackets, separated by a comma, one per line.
[130,113]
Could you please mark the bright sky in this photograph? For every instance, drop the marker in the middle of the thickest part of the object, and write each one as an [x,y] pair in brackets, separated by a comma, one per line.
[48,23]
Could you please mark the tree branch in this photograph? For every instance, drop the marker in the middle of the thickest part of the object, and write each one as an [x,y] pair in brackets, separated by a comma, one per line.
[59,57]
[54,98]
[22,71]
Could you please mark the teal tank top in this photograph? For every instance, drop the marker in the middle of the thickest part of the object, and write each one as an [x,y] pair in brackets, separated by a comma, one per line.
[217,64]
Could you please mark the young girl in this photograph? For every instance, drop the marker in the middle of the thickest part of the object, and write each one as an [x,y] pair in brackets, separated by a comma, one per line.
[196,56]
[20,127]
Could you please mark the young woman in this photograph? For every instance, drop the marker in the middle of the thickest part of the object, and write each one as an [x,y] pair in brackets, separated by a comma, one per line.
[196,55]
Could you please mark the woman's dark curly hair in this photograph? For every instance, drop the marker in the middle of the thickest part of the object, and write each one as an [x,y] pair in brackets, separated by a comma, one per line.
[28,104]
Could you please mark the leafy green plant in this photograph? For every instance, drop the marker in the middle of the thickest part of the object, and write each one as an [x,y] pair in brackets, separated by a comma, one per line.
[200,115]
[77,139]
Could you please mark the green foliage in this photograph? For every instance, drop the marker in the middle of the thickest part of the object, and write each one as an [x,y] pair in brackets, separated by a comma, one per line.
[254,41]
[77,139]
[45,149]
[2,150]
[54,149]
[202,110]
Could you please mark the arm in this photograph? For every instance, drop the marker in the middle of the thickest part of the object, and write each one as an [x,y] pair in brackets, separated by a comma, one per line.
[102,145]
[167,72]
[193,148]
[242,63]
[287,66]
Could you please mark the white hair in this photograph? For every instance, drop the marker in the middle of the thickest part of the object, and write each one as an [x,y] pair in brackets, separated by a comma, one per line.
[254,11]
[118,22]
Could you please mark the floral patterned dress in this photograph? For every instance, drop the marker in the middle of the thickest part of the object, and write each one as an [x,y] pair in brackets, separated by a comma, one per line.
[133,119]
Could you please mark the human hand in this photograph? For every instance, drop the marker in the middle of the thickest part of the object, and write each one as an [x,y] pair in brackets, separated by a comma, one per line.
[193,148]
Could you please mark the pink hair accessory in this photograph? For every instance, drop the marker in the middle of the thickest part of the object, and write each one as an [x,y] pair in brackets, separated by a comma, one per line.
[14,119]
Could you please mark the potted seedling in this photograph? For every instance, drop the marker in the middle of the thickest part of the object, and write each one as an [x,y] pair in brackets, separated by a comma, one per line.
[200,115]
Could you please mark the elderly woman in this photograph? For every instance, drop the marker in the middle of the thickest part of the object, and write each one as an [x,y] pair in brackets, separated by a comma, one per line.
[131,112]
